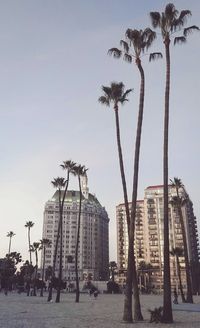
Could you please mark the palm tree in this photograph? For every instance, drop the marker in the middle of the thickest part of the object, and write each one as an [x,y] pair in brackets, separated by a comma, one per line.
[178,202]
[59,183]
[10,234]
[169,22]
[177,252]
[45,242]
[138,42]
[29,225]
[116,95]
[79,171]
[35,248]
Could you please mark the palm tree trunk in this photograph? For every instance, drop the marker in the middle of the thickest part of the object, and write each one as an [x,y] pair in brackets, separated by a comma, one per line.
[180,281]
[189,298]
[167,304]
[127,315]
[29,243]
[61,239]
[9,245]
[77,243]
[36,268]
[44,255]
[56,246]
[137,308]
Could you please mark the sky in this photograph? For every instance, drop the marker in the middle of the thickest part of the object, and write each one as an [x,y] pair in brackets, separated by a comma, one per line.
[53,62]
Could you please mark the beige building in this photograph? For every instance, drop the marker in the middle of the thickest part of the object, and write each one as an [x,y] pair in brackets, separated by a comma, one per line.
[149,237]
[93,253]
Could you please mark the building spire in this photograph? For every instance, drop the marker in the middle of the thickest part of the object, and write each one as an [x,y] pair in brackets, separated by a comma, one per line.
[84,186]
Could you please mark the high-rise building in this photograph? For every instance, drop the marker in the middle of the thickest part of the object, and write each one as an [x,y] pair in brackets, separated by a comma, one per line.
[149,235]
[93,252]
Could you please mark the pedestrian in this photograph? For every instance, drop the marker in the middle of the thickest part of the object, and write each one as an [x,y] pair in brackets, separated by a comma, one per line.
[175,301]
[95,294]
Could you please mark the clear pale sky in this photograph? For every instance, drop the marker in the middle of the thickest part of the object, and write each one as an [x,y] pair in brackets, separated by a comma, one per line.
[53,61]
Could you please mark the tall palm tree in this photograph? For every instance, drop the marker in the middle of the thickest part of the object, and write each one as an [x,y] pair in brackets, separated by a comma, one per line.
[35,248]
[168,22]
[178,202]
[177,252]
[45,242]
[10,234]
[138,42]
[116,95]
[59,184]
[29,225]
[79,171]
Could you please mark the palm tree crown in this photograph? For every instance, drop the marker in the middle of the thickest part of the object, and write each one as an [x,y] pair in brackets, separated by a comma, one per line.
[59,183]
[29,224]
[114,94]
[171,21]
[10,234]
[138,42]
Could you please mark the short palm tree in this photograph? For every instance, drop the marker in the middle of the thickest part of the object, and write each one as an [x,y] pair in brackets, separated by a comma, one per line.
[45,242]
[35,248]
[168,22]
[59,184]
[29,225]
[138,42]
[178,202]
[178,252]
[10,234]
[79,171]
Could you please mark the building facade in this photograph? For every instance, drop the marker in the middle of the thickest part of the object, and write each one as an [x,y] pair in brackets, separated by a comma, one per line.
[93,252]
[149,236]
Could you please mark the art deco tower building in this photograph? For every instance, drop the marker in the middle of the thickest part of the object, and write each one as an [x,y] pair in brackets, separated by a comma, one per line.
[93,253]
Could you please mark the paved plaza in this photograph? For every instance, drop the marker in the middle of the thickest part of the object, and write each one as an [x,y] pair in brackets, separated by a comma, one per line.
[20,311]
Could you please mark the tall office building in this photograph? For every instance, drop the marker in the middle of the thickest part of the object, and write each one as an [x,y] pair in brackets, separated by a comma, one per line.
[149,235]
[93,253]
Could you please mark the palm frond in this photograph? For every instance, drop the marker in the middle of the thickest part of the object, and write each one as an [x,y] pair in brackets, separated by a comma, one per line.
[155,19]
[104,100]
[116,53]
[180,40]
[148,36]
[128,58]
[124,96]
[132,35]
[170,12]
[124,45]
[190,29]
[155,55]
[183,16]
[107,90]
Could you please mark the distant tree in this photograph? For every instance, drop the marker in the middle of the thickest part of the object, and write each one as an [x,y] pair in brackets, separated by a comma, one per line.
[10,234]
[177,252]
[45,242]
[35,248]
[79,171]
[177,202]
[59,184]
[29,225]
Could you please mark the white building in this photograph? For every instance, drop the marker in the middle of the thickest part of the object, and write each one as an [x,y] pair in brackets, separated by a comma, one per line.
[149,236]
[93,253]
